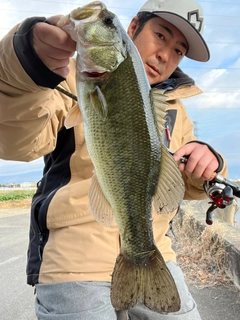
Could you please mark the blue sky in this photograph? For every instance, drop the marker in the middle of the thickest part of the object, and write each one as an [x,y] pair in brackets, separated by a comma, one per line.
[216,112]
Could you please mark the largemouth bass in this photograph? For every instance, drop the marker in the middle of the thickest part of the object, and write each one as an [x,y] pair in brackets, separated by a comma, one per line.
[123,123]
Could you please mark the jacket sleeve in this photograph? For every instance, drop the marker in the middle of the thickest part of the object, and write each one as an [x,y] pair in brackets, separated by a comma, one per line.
[194,187]
[31,111]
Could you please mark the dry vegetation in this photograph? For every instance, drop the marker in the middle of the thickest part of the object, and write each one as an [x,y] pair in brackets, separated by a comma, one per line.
[200,253]
[24,203]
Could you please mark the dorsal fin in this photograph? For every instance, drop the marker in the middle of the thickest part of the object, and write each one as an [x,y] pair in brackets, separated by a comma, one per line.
[159,105]
[170,189]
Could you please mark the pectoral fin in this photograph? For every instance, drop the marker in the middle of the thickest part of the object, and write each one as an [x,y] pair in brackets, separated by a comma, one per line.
[170,189]
[99,102]
[73,117]
[99,207]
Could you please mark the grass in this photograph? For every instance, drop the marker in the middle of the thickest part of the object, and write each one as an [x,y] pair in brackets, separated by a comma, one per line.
[16,198]
[200,253]
[15,194]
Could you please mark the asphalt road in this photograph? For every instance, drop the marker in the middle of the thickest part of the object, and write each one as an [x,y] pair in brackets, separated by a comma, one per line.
[17,298]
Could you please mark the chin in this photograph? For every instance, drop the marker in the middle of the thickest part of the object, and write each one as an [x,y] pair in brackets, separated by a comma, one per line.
[154,82]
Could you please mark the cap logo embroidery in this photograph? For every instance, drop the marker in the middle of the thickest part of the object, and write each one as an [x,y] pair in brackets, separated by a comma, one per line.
[195,20]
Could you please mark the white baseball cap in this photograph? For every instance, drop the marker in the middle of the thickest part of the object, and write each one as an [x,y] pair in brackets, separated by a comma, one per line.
[187,16]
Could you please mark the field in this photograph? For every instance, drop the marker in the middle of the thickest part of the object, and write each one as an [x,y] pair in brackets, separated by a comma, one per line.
[20,198]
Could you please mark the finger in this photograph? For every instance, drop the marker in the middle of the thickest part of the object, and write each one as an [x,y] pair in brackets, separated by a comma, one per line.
[210,171]
[183,151]
[212,177]
[54,19]
[54,47]
[178,154]
[48,36]
[195,165]
[181,166]
[54,64]
[53,53]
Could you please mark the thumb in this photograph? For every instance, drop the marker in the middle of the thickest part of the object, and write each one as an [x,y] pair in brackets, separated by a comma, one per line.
[54,19]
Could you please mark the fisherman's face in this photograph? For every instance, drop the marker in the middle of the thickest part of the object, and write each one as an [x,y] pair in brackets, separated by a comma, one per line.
[161,46]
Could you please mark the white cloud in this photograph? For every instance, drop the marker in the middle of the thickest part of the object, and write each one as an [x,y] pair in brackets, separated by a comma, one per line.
[210,78]
[217,100]
[11,167]
[236,64]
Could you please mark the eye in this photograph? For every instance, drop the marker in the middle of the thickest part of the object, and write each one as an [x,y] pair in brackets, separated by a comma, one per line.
[160,36]
[108,20]
[179,52]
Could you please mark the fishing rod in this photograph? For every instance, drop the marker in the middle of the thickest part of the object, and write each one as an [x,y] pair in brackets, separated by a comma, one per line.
[220,190]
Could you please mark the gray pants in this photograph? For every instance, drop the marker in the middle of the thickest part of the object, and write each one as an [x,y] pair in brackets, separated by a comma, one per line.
[91,301]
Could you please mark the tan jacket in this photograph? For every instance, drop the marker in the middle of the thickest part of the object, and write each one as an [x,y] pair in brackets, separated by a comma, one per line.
[73,246]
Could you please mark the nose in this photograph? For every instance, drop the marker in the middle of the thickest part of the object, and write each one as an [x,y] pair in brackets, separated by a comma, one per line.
[163,53]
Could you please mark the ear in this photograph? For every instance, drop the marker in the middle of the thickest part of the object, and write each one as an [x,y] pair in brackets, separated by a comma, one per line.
[132,27]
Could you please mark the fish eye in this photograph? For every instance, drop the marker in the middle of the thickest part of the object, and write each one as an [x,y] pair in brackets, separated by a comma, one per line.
[108,20]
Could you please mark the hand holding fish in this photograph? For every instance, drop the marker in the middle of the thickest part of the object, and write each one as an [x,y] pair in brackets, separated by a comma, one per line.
[53,46]
[201,161]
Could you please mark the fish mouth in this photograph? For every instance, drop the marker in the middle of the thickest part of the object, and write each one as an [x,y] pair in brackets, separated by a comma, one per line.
[94,74]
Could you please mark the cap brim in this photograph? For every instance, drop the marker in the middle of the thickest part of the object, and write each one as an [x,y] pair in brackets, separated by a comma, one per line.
[198,49]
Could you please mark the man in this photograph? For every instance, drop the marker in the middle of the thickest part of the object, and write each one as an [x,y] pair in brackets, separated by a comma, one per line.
[71,256]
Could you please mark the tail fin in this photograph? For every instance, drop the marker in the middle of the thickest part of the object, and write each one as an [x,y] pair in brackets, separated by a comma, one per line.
[149,282]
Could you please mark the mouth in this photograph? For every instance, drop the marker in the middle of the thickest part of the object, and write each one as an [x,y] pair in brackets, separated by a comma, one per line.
[153,69]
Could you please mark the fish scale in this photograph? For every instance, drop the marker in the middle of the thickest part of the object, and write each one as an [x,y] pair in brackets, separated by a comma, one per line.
[123,122]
